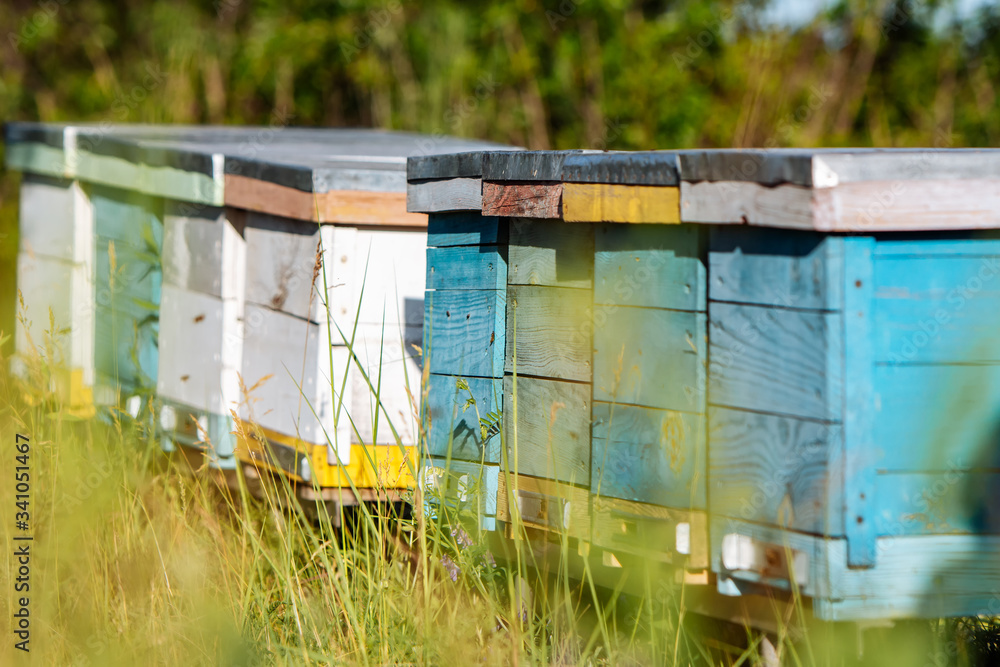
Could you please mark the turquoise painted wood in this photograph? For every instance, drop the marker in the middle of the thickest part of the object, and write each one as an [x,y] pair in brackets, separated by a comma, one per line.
[453,424]
[647,455]
[555,254]
[465,228]
[128,276]
[466,268]
[855,406]
[464,332]
[654,266]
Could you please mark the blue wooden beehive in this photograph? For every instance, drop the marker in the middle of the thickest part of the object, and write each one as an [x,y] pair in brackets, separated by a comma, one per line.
[853,376]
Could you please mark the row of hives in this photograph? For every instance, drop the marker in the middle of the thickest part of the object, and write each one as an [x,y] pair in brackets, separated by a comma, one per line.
[773,371]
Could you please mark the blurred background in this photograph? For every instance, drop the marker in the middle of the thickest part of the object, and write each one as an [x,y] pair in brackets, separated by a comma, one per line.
[615,74]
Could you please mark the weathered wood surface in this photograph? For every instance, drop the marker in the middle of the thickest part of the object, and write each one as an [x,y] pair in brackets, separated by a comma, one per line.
[850,207]
[464,332]
[657,266]
[204,249]
[550,253]
[355,207]
[302,393]
[651,357]
[544,504]
[552,429]
[522,200]
[624,168]
[778,471]
[454,426]
[776,268]
[601,202]
[829,167]
[785,362]
[66,290]
[650,456]
[384,406]
[454,194]
[467,268]
[56,219]
[527,166]
[652,532]
[200,350]
[537,317]
[465,228]
[390,267]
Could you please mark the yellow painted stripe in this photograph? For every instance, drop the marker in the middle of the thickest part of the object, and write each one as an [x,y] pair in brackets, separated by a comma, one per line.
[371,467]
[602,202]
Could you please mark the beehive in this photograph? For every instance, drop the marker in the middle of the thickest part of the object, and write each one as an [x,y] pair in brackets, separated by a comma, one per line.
[335,264]
[853,375]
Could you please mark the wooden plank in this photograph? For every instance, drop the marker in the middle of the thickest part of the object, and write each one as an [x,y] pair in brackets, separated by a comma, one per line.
[453,424]
[544,504]
[125,353]
[926,576]
[601,202]
[950,244]
[204,249]
[537,316]
[66,290]
[789,269]
[651,532]
[32,157]
[361,207]
[920,407]
[390,265]
[525,166]
[203,376]
[778,361]
[452,194]
[465,228]
[850,207]
[296,355]
[789,206]
[551,438]
[937,310]
[550,253]
[184,185]
[522,200]
[390,396]
[656,266]
[464,332]
[56,219]
[773,470]
[127,217]
[467,267]
[281,257]
[264,197]
[651,357]
[859,401]
[624,167]
[949,502]
[651,456]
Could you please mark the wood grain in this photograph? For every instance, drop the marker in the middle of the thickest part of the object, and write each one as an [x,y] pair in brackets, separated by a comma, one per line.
[467,268]
[453,194]
[552,429]
[465,228]
[544,504]
[539,316]
[649,531]
[650,357]
[773,470]
[464,332]
[602,202]
[777,361]
[651,456]
[452,425]
[522,200]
